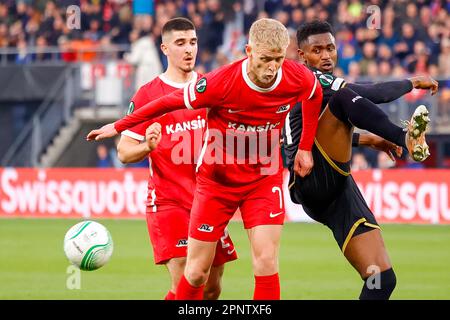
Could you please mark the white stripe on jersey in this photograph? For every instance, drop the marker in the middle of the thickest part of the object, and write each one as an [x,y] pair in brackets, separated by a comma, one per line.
[287,127]
[202,153]
[153,192]
[337,83]
[152,202]
[314,88]
[186,97]
[192,92]
[133,135]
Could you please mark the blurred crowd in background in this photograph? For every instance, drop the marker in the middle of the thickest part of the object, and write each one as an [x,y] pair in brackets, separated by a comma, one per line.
[413,36]
[407,37]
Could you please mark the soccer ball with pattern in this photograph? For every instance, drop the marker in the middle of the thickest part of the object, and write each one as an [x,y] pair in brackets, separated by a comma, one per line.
[88,245]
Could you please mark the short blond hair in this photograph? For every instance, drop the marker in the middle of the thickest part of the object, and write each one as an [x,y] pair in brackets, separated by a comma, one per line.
[269,32]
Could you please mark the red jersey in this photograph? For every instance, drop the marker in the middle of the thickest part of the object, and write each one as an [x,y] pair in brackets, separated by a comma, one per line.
[237,107]
[172,163]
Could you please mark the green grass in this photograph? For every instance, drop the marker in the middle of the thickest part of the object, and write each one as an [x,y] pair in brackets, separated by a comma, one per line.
[33,265]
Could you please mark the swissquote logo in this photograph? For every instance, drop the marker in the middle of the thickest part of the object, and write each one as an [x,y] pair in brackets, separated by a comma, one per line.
[205,228]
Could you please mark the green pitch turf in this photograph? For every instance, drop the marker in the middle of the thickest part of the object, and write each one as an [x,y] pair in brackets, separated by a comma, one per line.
[33,265]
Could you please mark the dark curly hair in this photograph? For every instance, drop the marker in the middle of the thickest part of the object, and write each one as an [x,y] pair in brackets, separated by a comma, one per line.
[312,28]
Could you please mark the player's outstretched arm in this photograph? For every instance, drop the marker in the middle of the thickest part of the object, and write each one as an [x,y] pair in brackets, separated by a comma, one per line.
[158,107]
[385,92]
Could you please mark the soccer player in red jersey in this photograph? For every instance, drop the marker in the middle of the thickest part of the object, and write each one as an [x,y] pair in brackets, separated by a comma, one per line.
[248,101]
[172,181]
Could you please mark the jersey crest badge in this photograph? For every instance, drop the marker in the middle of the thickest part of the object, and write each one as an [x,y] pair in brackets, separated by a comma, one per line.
[201,85]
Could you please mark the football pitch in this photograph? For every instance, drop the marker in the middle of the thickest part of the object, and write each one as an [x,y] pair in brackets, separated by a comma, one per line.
[33,264]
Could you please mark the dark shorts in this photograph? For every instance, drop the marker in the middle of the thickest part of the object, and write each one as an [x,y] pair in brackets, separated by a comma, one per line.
[329,195]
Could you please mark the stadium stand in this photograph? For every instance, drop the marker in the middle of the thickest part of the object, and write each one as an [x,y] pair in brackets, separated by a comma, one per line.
[115,45]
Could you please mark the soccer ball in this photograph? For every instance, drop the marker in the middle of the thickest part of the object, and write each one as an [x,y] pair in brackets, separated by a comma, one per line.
[88,245]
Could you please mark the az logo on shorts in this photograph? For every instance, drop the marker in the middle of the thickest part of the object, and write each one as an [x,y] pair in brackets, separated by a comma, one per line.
[182,243]
[205,228]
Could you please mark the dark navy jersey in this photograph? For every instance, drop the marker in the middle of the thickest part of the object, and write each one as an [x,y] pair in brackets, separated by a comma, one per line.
[292,130]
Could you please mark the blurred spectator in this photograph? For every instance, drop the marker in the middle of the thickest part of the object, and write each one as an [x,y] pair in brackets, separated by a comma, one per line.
[405,45]
[234,36]
[359,162]
[23,56]
[41,54]
[103,158]
[444,58]
[369,54]
[384,162]
[388,36]
[144,55]
[347,55]
[419,62]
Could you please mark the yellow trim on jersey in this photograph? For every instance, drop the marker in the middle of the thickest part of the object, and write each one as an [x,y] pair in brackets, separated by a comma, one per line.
[372,225]
[293,182]
[350,233]
[331,162]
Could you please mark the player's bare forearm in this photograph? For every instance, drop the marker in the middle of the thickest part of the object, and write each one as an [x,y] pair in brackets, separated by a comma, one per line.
[425,82]
[375,142]
[132,151]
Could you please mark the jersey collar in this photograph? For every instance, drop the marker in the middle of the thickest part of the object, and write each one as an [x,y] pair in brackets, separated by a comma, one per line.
[178,85]
[254,86]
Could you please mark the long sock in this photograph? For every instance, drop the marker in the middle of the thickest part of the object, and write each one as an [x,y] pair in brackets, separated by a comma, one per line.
[186,291]
[354,110]
[170,295]
[379,286]
[267,287]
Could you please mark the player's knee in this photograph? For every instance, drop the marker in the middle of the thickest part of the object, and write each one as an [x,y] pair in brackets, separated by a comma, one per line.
[389,280]
[379,286]
[196,277]
[265,263]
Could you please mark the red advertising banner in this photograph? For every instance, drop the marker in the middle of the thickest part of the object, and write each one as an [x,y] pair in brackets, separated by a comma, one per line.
[407,196]
[73,193]
[400,196]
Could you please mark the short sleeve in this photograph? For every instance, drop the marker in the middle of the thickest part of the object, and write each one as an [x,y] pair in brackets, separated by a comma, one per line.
[137,101]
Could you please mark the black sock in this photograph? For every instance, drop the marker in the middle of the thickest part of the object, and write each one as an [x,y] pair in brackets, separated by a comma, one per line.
[379,286]
[354,110]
